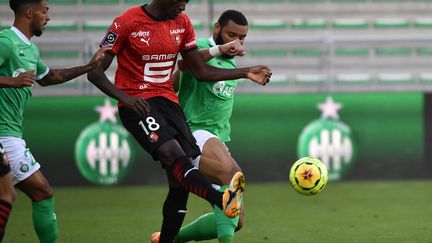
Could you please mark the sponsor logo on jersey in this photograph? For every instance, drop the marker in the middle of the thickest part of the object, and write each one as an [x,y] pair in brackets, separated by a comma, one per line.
[153,137]
[190,44]
[109,39]
[177,31]
[161,57]
[140,34]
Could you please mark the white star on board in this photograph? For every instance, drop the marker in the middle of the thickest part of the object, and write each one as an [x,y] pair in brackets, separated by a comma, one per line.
[330,108]
[107,112]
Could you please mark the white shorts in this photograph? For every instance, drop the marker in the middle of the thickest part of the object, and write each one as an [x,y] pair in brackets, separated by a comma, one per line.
[21,160]
[201,136]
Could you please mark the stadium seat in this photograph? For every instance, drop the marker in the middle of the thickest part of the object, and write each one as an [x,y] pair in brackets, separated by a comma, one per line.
[198,24]
[350,24]
[309,24]
[391,23]
[307,52]
[58,25]
[425,77]
[4,1]
[351,52]
[308,1]
[349,1]
[267,1]
[353,78]
[403,51]
[60,53]
[226,1]
[63,1]
[395,77]
[269,53]
[424,51]
[95,25]
[423,23]
[310,78]
[100,1]
[269,24]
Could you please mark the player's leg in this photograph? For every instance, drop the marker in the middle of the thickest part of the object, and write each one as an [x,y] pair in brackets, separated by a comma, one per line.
[7,192]
[37,188]
[216,163]
[28,178]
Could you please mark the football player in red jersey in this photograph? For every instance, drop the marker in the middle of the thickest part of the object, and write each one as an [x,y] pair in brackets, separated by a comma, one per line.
[146,41]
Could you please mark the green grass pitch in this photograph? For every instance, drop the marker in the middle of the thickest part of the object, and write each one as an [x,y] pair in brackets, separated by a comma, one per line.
[353,211]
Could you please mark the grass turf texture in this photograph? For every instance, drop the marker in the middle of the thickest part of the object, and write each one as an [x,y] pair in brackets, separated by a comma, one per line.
[354,211]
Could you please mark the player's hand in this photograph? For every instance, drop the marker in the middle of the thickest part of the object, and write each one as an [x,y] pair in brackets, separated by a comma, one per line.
[24,79]
[98,57]
[138,104]
[233,48]
[260,74]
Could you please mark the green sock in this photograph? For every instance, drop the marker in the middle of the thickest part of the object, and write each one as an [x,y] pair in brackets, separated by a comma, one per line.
[203,228]
[44,221]
[225,226]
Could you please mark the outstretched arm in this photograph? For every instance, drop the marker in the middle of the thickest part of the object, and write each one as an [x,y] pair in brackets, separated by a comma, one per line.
[100,80]
[58,76]
[202,71]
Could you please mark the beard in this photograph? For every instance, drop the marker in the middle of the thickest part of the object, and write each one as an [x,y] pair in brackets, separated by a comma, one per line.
[219,41]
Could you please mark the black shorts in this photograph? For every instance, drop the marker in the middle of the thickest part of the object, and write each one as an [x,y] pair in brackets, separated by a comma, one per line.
[4,168]
[166,121]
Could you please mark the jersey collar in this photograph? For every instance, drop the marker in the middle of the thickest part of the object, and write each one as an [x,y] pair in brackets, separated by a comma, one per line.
[20,35]
[212,41]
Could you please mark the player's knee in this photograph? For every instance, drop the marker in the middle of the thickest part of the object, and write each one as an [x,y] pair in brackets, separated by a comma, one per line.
[8,194]
[41,193]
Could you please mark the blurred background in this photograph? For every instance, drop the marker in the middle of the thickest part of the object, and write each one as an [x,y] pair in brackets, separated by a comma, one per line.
[368,60]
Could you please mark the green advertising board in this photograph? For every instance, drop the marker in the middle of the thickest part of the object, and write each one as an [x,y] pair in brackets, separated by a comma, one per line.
[386,131]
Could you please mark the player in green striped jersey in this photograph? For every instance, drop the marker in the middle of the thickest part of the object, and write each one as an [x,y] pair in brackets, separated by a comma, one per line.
[20,67]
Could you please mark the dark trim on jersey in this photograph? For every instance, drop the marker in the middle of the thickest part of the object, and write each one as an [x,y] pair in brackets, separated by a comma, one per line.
[143,7]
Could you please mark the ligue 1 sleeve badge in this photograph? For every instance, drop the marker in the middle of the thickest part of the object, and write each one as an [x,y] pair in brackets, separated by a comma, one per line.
[103,151]
[328,139]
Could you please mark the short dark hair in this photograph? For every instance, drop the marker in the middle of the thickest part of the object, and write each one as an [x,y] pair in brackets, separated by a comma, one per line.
[15,5]
[233,15]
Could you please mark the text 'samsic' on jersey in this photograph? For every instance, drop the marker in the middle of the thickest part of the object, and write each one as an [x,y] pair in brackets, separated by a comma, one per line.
[147,50]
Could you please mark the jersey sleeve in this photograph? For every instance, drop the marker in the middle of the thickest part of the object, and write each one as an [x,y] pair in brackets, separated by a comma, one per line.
[116,35]
[5,50]
[41,68]
[189,41]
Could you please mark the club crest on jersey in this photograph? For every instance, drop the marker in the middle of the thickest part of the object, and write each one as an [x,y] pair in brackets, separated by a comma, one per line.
[153,137]
[177,39]
[110,38]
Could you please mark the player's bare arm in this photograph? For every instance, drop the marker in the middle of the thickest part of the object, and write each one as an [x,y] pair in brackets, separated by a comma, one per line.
[100,80]
[260,74]
[58,76]
[23,80]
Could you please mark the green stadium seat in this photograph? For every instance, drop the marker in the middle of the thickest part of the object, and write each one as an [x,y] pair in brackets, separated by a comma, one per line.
[267,1]
[387,1]
[353,78]
[425,77]
[349,1]
[97,25]
[310,79]
[198,24]
[60,53]
[100,1]
[350,24]
[63,1]
[307,52]
[4,1]
[270,24]
[226,1]
[308,1]
[402,51]
[391,24]
[424,51]
[58,25]
[395,77]
[424,23]
[269,53]
[351,52]
[309,24]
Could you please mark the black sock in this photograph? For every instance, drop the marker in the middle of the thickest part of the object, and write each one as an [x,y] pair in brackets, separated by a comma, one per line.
[174,211]
[5,209]
[192,180]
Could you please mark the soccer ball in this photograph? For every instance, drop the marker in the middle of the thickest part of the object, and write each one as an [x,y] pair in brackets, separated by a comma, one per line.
[308,176]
